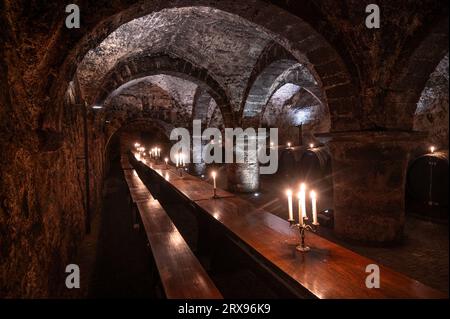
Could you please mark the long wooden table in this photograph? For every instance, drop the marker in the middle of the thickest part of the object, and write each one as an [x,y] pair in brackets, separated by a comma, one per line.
[327,271]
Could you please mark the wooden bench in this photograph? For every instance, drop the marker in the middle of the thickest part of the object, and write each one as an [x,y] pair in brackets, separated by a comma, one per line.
[137,191]
[181,274]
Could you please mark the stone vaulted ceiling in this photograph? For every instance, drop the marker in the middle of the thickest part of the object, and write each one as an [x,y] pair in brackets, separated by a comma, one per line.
[224,44]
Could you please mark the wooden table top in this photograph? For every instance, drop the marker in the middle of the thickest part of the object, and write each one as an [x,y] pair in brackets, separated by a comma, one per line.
[327,271]
[191,187]
[181,273]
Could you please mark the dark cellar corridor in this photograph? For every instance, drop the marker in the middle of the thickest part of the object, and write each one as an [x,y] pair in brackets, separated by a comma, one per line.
[214,150]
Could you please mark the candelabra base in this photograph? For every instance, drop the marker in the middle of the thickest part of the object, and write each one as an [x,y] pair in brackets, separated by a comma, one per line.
[303,249]
[302,229]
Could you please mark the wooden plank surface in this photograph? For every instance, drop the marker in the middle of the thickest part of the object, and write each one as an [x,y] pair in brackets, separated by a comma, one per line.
[191,187]
[328,271]
[181,273]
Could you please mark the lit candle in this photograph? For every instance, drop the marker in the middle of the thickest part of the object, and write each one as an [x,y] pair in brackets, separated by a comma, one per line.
[272,145]
[311,145]
[314,207]
[289,144]
[177,157]
[432,149]
[291,212]
[166,160]
[302,201]
[300,209]
[214,174]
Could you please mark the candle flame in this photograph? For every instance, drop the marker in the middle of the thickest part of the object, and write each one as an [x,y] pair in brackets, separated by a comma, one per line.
[432,149]
[311,145]
[302,186]
[289,192]
[214,174]
[313,194]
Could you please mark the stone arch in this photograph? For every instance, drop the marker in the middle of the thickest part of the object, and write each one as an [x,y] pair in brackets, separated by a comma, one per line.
[410,76]
[305,44]
[141,65]
[432,113]
[202,103]
[273,77]
[142,98]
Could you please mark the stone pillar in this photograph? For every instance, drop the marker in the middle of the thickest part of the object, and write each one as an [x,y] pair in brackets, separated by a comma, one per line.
[198,169]
[369,173]
[244,177]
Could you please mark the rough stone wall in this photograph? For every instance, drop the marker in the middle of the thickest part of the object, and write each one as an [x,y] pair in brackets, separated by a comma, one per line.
[291,106]
[42,213]
[432,110]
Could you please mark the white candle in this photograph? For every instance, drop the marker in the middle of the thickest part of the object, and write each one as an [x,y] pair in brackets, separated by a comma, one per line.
[302,201]
[291,212]
[166,160]
[214,174]
[300,210]
[314,207]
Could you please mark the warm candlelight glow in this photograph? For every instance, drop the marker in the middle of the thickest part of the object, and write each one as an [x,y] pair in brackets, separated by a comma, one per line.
[432,149]
[272,145]
[291,211]
[314,207]
[289,144]
[302,201]
[311,145]
[166,160]
[214,174]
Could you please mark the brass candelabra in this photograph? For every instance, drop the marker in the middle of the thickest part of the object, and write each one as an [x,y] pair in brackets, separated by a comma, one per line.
[303,227]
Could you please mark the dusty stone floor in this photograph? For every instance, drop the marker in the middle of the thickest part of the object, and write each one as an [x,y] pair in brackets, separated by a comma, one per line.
[423,254]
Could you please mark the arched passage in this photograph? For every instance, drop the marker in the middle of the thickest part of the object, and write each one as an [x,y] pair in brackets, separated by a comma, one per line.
[144,65]
[410,76]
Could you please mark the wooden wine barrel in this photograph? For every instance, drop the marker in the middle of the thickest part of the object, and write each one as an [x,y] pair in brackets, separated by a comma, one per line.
[315,168]
[421,178]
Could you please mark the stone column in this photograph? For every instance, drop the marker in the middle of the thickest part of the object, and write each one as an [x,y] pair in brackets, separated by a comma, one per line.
[197,156]
[369,172]
[244,177]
